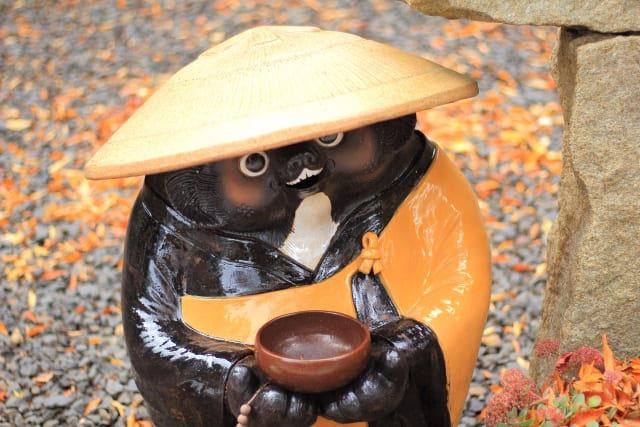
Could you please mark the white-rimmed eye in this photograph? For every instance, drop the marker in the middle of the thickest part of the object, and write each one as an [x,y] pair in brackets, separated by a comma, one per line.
[330,140]
[254,165]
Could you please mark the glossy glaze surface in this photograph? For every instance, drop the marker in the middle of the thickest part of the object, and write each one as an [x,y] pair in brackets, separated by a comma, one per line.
[207,264]
[312,351]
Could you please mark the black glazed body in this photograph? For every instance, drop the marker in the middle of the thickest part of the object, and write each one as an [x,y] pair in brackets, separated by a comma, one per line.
[201,231]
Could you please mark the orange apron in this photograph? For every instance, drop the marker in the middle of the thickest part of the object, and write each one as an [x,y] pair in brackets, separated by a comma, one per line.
[435,262]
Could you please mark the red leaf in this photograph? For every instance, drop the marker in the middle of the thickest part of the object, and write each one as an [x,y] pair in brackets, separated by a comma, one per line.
[562,364]
[521,267]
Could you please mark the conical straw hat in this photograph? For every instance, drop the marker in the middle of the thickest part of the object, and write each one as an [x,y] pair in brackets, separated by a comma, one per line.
[269,87]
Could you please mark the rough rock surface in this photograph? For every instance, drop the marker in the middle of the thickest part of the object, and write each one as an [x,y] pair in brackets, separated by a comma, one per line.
[594,285]
[610,16]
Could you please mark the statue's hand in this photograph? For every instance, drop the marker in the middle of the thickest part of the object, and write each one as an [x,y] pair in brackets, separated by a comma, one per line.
[373,394]
[269,404]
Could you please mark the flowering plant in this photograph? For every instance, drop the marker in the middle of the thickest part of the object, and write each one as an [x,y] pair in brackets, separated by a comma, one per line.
[586,389]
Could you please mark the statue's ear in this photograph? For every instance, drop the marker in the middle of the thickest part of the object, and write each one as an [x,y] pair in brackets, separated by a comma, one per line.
[395,132]
[189,192]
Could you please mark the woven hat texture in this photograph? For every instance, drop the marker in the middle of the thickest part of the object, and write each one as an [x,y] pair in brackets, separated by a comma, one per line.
[269,87]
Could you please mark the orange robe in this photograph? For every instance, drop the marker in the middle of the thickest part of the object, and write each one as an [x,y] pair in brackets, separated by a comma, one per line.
[436,268]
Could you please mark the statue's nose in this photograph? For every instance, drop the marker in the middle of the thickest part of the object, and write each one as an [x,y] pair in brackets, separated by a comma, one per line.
[298,162]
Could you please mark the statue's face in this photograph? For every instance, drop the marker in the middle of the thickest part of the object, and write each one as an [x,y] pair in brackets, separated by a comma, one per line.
[262,190]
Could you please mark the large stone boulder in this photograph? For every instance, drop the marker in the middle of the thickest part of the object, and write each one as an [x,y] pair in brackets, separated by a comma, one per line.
[605,16]
[594,247]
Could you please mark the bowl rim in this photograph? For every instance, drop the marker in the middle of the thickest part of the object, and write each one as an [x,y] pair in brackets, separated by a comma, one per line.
[366,341]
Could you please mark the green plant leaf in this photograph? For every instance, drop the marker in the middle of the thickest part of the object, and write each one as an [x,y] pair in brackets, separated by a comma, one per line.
[561,401]
[594,401]
[592,424]
[578,399]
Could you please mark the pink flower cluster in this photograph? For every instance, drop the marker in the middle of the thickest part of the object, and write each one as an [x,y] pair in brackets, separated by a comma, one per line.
[518,391]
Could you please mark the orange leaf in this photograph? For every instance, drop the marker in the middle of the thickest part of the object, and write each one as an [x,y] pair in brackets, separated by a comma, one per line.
[91,406]
[51,274]
[43,378]
[521,267]
[487,186]
[584,417]
[590,379]
[635,367]
[28,314]
[32,332]
[501,259]
[72,257]
[607,354]
[3,330]
[534,230]
[73,282]
[131,419]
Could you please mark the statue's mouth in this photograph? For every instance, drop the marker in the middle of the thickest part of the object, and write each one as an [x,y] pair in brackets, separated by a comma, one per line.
[306,179]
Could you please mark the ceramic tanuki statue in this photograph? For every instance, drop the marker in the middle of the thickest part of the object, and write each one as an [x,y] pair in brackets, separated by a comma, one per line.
[267,161]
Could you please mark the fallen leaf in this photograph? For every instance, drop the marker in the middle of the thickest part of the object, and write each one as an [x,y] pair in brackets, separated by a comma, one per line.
[73,282]
[43,378]
[3,329]
[117,362]
[32,299]
[522,267]
[29,315]
[32,332]
[51,274]
[131,419]
[582,418]
[94,403]
[492,340]
[119,407]
[523,363]
[607,354]
[18,125]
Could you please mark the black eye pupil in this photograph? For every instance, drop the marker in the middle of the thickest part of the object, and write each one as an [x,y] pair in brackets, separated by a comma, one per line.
[255,162]
[328,139]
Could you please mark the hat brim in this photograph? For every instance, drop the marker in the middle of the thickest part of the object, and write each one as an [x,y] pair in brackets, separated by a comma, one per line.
[270,87]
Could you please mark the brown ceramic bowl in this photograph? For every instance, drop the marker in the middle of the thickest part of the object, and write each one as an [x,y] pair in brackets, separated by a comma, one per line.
[312,351]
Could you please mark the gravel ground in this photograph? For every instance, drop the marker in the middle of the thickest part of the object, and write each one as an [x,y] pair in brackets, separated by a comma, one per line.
[70,70]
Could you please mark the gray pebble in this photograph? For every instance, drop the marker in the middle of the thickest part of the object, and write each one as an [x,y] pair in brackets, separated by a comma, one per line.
[114,388]
[58,401]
